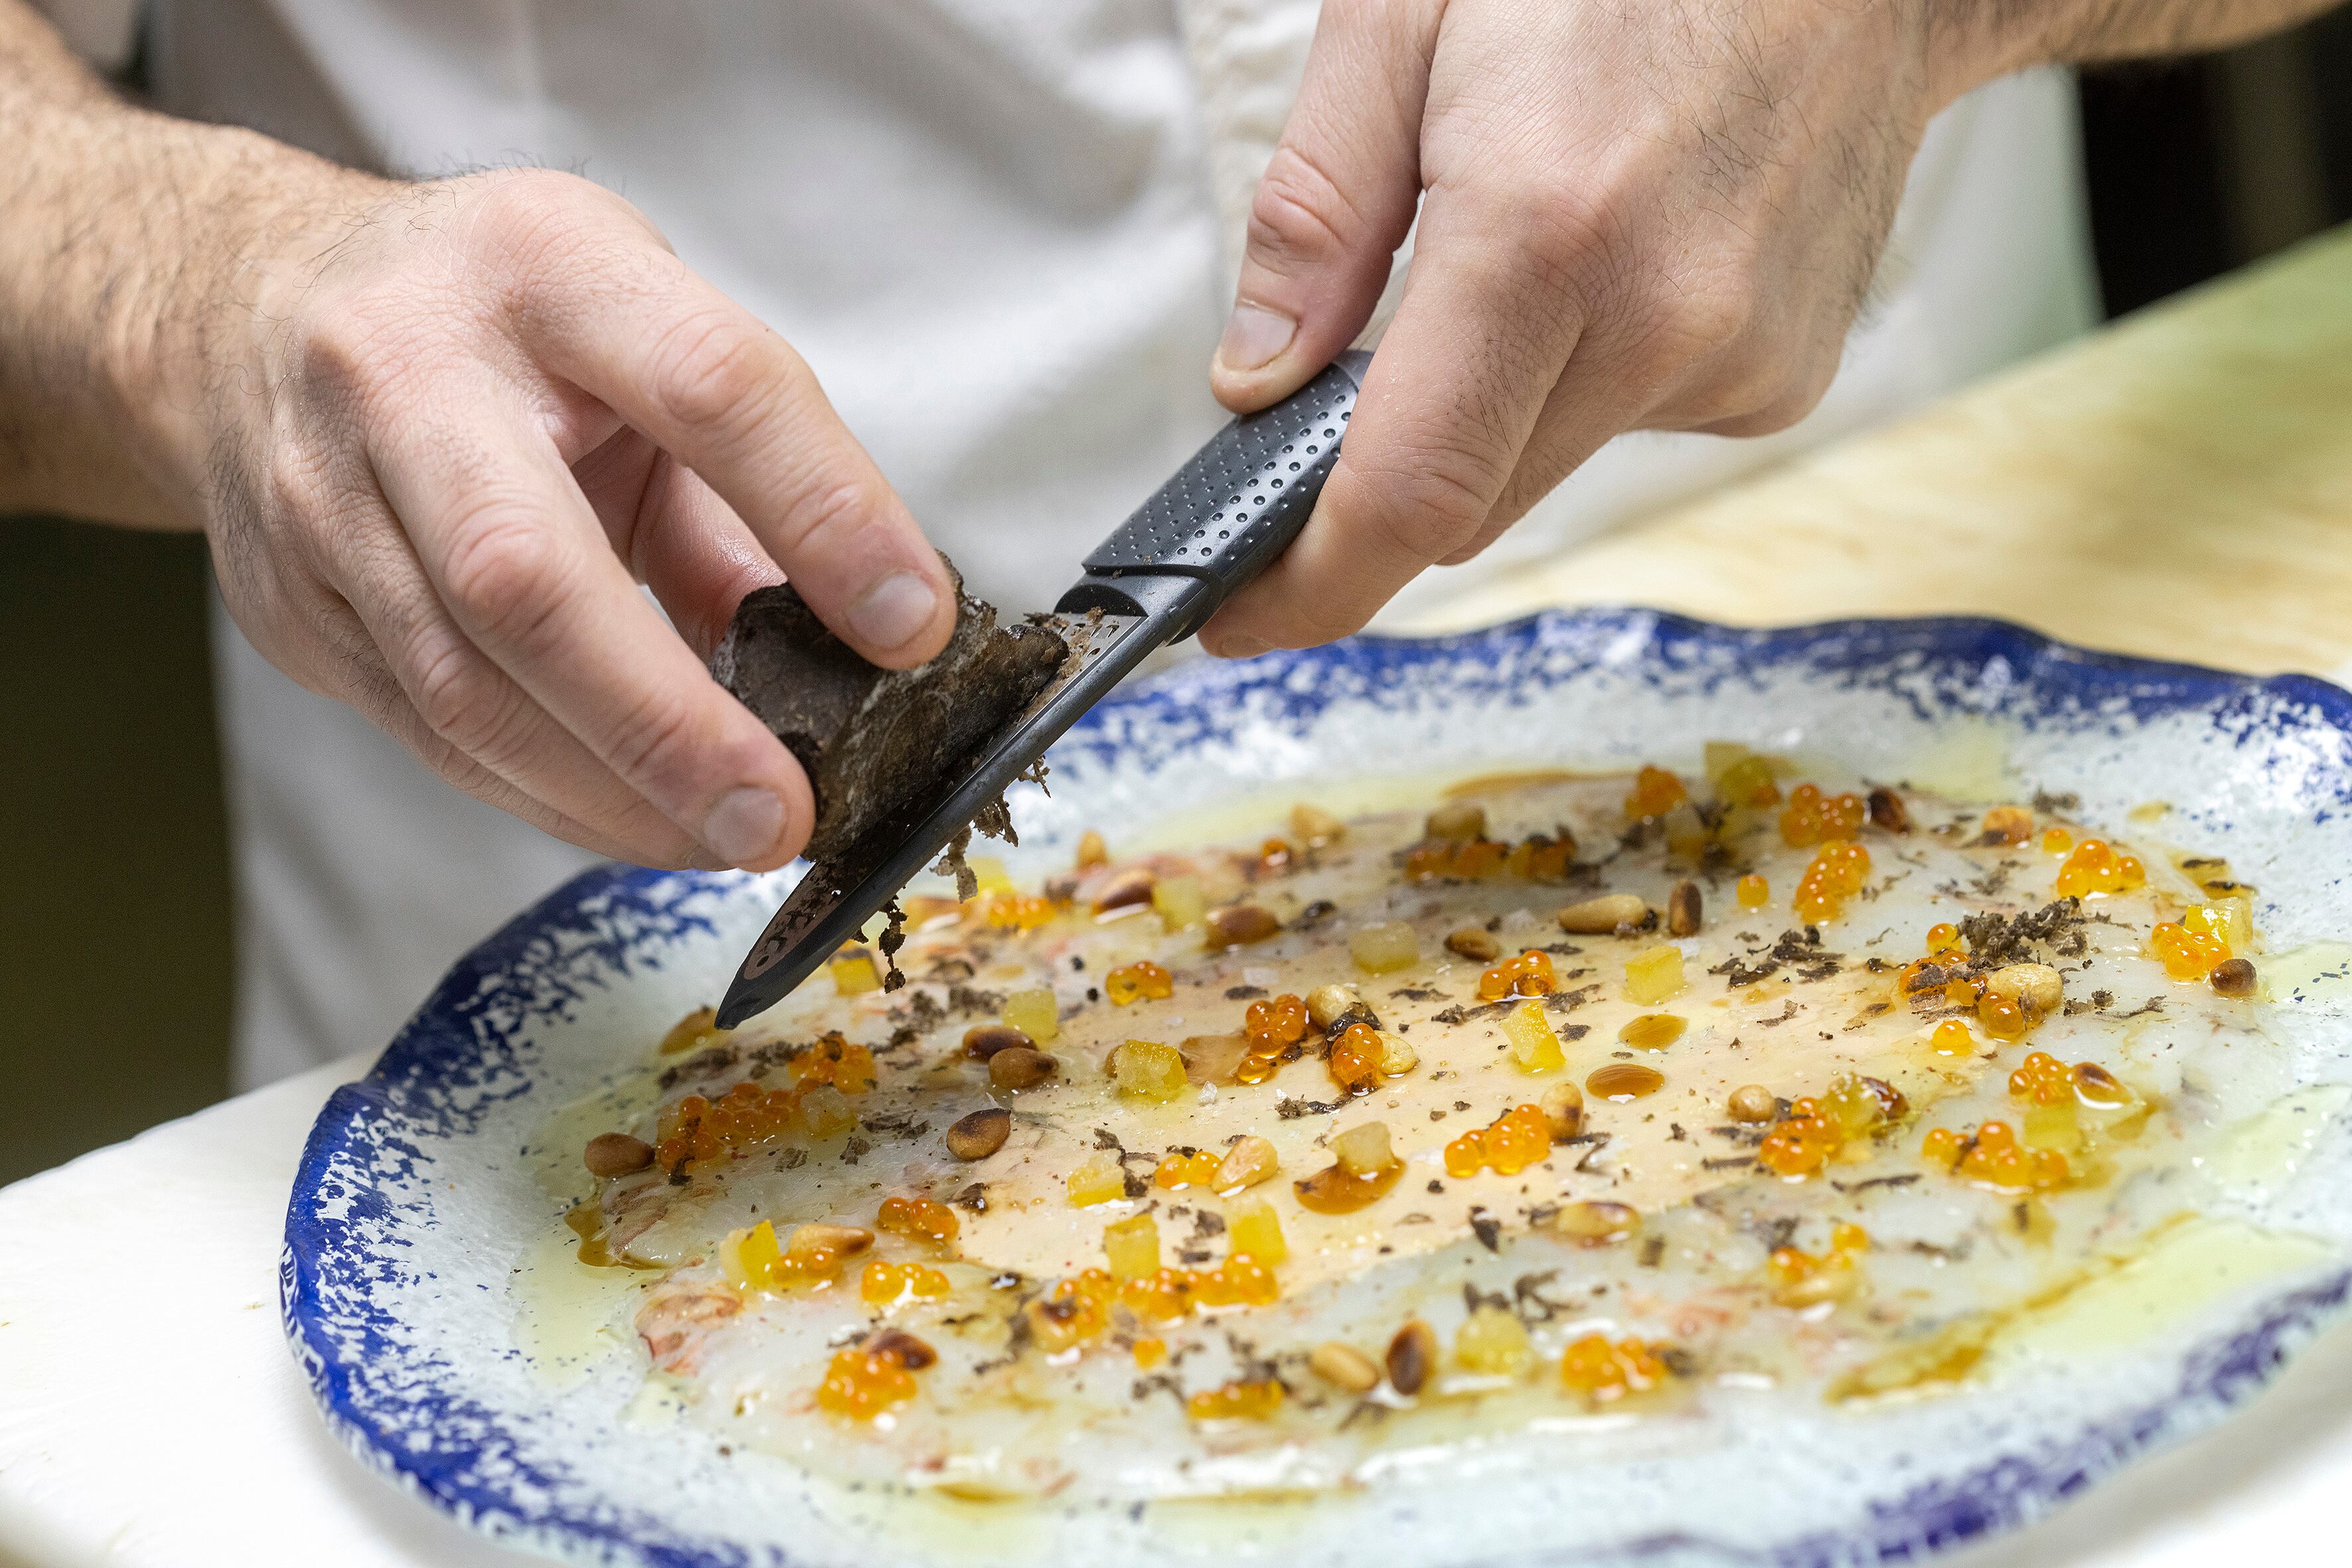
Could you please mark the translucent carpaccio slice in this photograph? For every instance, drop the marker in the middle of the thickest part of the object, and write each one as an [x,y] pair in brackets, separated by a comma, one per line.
[1981,1124]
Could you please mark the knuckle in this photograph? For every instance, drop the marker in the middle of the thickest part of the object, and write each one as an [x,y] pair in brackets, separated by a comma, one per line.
[649,738]
[465,702]
[827,515]
[1300,214]
[707,374]
[504,572]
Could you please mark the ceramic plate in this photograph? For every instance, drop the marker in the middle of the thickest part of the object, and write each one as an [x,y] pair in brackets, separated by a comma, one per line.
[418,1198]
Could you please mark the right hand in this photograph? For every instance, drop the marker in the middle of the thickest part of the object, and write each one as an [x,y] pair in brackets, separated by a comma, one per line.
[442,433]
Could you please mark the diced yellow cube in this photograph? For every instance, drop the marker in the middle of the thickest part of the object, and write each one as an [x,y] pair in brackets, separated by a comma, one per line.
[1132,1246]
[1363,1150]
[1180,902]
[1378,948]
[1716,757]
[1149,1070]
[1492,1340]
[2058,1126]
[1533,1047]
[853,972]
[990,874]
[746,1257]
[1257,1233]
[1034,1013]
[1315,827]
[1097,1181]
[1653,975]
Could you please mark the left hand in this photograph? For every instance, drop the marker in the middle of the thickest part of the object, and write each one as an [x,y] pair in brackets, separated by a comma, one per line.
[1658,216]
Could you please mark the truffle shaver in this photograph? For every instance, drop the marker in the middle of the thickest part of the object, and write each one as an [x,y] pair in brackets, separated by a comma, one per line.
[1224,517]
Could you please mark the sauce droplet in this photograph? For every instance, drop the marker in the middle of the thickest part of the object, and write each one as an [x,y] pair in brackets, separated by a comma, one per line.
[1653,1031]
[1622,1081]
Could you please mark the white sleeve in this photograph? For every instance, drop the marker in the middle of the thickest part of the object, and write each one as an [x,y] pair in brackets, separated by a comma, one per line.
[100,31]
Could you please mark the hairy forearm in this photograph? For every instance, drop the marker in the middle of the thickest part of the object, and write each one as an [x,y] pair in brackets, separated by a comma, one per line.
[1979,39]
[127,240]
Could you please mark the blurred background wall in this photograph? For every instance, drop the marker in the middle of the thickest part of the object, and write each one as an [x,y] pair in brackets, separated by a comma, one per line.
[114,920]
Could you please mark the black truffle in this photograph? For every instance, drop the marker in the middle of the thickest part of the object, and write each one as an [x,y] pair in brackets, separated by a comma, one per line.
[877,743]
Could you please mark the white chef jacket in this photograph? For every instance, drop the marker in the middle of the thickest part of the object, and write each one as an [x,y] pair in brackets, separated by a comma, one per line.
[1005,234]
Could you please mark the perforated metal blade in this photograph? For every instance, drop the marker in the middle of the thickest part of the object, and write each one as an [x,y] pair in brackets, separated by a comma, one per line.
[1216,525]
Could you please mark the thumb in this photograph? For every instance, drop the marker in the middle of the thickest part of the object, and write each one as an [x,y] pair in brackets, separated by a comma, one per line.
[1335,203]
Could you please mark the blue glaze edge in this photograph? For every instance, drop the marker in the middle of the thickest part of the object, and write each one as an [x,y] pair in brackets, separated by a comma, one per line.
[463,1038]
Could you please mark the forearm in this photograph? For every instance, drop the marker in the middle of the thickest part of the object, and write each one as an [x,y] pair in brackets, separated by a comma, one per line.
[1987,38]
[123,237]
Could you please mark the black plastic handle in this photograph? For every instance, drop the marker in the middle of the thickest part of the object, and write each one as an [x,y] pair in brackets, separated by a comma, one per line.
[1239,502]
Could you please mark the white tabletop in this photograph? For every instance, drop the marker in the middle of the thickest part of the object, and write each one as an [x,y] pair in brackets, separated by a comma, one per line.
[150,1413]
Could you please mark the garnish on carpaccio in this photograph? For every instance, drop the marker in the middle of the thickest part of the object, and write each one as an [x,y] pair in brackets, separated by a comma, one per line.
[1562,1100]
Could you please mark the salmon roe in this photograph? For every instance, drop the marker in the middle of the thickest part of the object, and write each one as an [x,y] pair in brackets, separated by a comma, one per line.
[1513,1141]
[1274,856]
[1812,817]
[2042,1079]
[1751,890]
[1141,979]
[1529,974]
[1248,1399]
[884,1283]
[834,1060]
[2094,867]
[1355,1059]
[1800,1279]
[2194,947]
[1019,911]
[1464,860]
[1603,1370]
[1078,1309]
[864,1382]
[920,1219]
[1992,1157]
[1272,1028]
[1837,872]
[1178,1169]
[1655,793]
[1852,1109]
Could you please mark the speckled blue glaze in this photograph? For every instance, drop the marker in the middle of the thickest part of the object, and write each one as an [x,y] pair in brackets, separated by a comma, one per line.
[369,1209]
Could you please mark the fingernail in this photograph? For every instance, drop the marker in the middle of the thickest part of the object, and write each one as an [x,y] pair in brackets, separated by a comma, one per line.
[743,827]
[1254,335]
[894,610]
[1242,647]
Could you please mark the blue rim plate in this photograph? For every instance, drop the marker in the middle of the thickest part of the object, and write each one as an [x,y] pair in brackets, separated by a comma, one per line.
[409,1211]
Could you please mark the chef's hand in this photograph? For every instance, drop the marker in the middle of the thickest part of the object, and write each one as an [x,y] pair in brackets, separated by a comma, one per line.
[1631,216]
[454,426]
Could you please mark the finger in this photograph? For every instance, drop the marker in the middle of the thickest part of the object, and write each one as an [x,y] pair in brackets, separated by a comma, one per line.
[356,673]
[676,535]
[514,553]
[729,399]
[470,720]
[1480,339]
[1335,201]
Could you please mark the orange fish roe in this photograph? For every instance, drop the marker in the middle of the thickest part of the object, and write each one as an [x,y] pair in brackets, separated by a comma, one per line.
[1803,1280]
[1140,979]
[810,1261]
[1181,1170]
[864,1382]
[1255,1399]
[2042,1079]
[2007,825]
[1812,817]
[1540,858]
[1274,856]
[1952,1038]
[2056,841]
[1852,1109]
[1509,1144]
[1355,1059]
[1072,1311]
[1655,793]
[1460,858]
[1272,1028]
[1837,872]
[921,1219]
[1149,1353]
[2194,947]
[1019,911]
[2002,1017]
[1602,1371]
[1943,941]
[1529,974]
[1751,890]
[883,1283]
[743,1119]
[1748,781]
[2093,867]
[834,1060]
[1992,1157]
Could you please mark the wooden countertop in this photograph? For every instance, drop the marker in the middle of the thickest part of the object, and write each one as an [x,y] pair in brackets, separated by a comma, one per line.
[2179,485]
